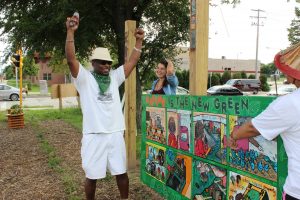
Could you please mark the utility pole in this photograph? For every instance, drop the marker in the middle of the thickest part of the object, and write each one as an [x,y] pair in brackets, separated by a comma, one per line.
[258,17]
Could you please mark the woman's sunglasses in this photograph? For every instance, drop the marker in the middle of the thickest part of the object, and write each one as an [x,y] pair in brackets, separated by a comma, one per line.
[103,62]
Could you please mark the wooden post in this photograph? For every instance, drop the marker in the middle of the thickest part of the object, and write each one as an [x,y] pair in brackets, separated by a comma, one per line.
[59,94]
[199,52]
[130,98]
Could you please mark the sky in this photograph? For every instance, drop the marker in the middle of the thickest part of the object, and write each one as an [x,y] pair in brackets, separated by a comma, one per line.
[232,35]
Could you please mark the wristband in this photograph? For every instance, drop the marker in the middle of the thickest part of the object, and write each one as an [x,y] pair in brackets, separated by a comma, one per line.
[139,50]
[69,40]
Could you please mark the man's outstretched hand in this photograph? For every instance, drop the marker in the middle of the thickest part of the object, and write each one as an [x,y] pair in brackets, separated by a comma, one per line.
[139,34]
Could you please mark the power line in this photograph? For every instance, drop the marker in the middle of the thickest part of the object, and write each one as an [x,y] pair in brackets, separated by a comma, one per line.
[257,24]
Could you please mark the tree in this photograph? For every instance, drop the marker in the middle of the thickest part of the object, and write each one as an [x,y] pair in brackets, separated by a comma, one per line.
[214,79]
[264,84]
[268,69]
[8,71]
[29,67]
[294,30]
[225,77]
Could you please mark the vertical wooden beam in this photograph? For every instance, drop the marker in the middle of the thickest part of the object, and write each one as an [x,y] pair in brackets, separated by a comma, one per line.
[199,52]
[59,94]
[130,98]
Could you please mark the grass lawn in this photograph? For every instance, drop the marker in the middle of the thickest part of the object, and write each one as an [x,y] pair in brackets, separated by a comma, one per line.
[34,87]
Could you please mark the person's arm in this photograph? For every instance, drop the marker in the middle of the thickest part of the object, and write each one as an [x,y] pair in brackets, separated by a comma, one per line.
[70,46]
[136,53]
[170,68]
[171,77]
[247,130]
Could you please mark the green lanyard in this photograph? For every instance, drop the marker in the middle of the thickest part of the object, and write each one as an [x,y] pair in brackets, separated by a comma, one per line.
[103,82]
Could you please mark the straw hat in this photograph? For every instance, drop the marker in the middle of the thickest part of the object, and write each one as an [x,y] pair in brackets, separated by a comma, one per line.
[101,53]
[288,61]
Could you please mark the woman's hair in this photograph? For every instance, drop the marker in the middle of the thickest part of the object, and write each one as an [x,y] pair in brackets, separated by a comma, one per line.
[164,62]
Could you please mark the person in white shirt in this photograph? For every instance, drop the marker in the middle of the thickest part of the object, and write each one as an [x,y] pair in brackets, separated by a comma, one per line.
[103,145]
[281,117]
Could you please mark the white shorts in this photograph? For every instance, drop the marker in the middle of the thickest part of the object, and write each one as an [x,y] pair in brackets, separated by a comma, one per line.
[103,151]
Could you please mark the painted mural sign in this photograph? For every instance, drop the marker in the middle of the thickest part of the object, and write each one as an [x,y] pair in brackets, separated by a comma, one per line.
[155,161]
[243,187]
[209,137]
[255,155]
[184,138]
[156,124]
[209,181]
[178,126]
[184,152]
[179,168]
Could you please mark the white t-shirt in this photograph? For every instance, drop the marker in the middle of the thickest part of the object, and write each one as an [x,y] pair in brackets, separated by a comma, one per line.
[283,117]
[101,113]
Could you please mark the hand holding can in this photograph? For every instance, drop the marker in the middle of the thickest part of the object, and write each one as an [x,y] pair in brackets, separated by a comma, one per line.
[74,20]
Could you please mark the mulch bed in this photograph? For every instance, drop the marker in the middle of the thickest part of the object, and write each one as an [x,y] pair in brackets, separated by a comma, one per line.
[25,173]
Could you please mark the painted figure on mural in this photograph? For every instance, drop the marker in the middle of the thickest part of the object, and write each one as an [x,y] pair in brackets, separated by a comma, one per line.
[201,143]
[172,138]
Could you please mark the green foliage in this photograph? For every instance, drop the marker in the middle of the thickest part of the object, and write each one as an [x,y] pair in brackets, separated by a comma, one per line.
[183,78]
[225,77]
[237,75]
[29,86]
[29,67]
[243,74]
[263,78]
[251,76]
[16,109]
[264,84]
[213,79]
[9,73]
[58,62]
[294,30]
[268,69]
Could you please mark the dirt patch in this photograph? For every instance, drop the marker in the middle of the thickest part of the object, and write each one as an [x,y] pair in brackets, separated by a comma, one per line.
[23,166]
[25,173]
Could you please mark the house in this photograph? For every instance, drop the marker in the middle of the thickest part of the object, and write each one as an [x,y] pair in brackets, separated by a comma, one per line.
[46,73]
[220,65]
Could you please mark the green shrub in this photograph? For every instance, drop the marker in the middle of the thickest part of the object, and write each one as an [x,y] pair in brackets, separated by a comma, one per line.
[225,77]
[237,75]
[16,109]
[29,85]
[251,76]
[243,74]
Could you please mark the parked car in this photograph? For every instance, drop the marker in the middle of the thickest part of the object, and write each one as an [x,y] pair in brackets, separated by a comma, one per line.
[223,90]
[283,90]
[182,91]
[10,93]
[245,85]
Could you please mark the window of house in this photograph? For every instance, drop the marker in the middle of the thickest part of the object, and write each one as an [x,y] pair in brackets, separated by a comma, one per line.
[47,76]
